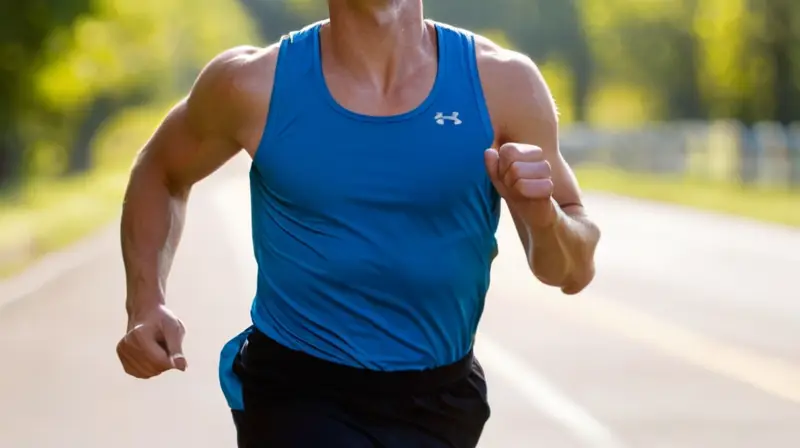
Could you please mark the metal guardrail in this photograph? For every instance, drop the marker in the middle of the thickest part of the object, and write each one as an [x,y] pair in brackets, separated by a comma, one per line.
[725,151]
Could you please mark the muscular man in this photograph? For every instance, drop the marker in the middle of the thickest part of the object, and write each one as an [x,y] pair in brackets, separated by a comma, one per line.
[381,146]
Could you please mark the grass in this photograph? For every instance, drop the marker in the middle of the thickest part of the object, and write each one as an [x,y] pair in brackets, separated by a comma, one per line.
[764,204]
[49,214]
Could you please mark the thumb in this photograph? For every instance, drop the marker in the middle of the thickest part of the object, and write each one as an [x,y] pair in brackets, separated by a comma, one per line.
[173,340]
[492,159]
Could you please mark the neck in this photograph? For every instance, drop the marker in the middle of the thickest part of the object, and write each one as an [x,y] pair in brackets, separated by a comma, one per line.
[375,37]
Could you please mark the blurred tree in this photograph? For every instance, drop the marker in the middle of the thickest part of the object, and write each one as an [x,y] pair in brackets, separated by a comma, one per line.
[543,29]
[780,44]
[67,65]
[24,27]
[129,51]
[721,28]
[751,58]
[650,45]
[274,18]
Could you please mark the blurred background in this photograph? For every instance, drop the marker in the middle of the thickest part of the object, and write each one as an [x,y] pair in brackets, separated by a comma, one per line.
[686,102]
[652,93]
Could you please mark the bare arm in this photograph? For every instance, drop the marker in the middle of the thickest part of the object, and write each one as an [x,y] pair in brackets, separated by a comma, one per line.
[560,253]
[199,134]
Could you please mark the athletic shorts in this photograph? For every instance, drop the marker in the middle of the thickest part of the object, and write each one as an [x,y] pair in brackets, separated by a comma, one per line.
[294,400]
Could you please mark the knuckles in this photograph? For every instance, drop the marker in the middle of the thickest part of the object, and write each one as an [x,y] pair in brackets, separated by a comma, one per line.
[515,170]
[508,150]
[128,353]
[136,361]
[537,189]
[527,170]
[522,162]
[519,151]
[546,169]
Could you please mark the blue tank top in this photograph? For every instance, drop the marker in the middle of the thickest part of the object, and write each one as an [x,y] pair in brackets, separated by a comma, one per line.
[374,236]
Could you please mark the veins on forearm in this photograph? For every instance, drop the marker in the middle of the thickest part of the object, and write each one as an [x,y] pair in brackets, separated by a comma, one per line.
[149,237]
[564,249]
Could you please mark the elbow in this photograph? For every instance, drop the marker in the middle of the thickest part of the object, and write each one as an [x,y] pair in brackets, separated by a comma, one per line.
[570,281]
[574,269]
[549,273]
[578,280]
[572,276]
[151,174]
[582,273]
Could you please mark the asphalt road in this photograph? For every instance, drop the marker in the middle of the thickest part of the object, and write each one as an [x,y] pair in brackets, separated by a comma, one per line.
[689,338]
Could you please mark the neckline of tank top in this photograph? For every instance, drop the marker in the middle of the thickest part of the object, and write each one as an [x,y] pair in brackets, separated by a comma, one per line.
[419,109]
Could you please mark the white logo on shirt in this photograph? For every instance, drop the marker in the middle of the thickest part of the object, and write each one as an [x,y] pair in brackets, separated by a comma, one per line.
[441,118]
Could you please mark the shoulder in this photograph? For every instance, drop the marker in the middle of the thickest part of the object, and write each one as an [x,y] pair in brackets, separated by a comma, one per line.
[498,63]
[513,85]
[234,75]
[236,70]
[232,92]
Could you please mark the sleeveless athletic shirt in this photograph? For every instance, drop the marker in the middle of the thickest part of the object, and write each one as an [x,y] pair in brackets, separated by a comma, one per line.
[373,235]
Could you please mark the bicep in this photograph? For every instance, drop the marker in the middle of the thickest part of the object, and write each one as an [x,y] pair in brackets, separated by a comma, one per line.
[531,117]
[179,154]
[200,133]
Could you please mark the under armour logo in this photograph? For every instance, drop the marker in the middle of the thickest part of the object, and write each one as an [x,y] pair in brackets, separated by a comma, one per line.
[440,118]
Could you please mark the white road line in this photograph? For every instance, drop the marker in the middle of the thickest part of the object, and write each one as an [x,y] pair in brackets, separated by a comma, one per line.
[57,264]
[774,376]
[544,396]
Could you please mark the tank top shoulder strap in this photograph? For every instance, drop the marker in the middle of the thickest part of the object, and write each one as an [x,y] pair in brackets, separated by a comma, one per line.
[463,78]
[295,66]
[296,56]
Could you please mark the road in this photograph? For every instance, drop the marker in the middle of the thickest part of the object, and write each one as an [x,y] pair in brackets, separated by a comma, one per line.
[689,338]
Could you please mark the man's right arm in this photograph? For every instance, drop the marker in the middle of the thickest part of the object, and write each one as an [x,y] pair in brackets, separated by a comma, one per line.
[203,131]
[224,112]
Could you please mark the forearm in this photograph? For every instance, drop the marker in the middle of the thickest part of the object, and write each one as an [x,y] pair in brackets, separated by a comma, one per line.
[562,254]
[152,221]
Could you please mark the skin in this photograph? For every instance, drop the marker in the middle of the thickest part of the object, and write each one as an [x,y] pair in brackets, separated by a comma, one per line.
[379,58]
[530,173]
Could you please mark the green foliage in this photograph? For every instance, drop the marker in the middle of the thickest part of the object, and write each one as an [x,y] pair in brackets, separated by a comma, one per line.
[67,65]
[49,213]
[74,75]
[24,26]
[130,44]
[133,50]
[86,62]
[72,68]
[661,60]
[769,205]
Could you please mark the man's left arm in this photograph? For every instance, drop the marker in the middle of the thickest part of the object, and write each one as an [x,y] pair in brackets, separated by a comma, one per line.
[539,187]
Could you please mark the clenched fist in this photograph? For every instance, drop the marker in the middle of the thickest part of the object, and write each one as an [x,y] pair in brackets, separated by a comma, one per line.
[521,175]
[152,344]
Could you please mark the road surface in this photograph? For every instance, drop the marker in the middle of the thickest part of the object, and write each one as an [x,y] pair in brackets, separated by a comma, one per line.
[689,338]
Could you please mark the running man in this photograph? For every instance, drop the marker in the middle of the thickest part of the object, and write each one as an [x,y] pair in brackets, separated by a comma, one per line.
[382,144]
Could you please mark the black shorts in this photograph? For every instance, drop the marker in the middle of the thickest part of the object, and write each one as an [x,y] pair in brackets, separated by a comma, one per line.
[294,400]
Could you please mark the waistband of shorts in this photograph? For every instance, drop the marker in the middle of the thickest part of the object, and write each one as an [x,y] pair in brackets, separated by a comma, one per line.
[262,354]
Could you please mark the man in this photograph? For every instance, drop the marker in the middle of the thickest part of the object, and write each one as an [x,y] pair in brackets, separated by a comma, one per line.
[381,145]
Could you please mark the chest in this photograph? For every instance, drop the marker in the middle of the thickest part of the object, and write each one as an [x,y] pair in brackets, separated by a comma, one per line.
[421,164]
